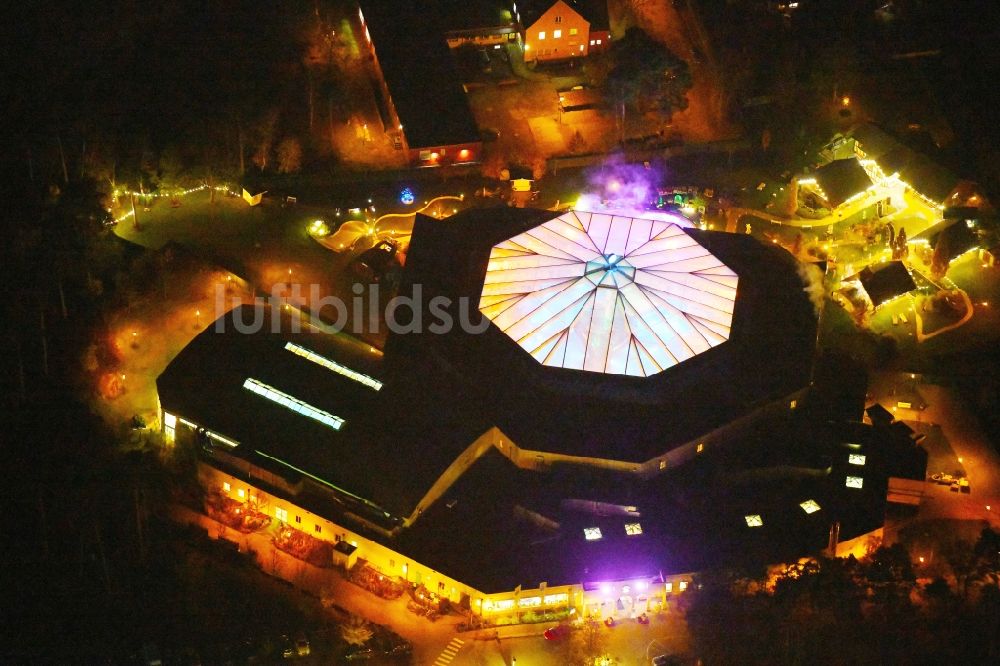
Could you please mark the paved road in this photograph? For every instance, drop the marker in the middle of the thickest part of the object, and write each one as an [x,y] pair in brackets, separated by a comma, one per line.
[430,639]
[973,451]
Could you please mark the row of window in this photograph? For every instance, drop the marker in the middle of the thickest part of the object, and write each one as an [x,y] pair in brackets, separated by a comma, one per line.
[279,513]
[594,533]
[527,602]
[556,34]
[809,506]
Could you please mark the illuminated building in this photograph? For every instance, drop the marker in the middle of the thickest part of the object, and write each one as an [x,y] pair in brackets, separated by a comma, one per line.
[564,29]
[465,463]
[606,293]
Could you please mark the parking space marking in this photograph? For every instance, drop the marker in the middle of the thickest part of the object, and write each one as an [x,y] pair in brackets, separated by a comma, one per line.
[449,652]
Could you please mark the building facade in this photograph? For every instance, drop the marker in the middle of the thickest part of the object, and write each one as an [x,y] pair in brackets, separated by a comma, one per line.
[565,31]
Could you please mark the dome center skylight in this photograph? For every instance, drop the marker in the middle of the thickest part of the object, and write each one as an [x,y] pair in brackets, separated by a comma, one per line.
[610,270]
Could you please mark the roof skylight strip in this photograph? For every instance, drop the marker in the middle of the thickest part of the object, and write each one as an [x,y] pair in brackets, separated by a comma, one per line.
[293,403]
[334,366]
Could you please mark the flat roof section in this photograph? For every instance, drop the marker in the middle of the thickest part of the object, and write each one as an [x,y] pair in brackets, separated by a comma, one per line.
[419,71]
[768,354]
[317,380]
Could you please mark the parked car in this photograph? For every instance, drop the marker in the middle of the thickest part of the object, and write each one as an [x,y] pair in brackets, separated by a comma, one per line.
[556,633]
[943,479]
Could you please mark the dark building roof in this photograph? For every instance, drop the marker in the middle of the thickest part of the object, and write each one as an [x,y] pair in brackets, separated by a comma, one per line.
[594,12]
[531,524]
[886,280]
[956,236]
[874,140]
[922,173]
[420,73]
[879,415]
[499,525]
[204,384]
[842,179]
[594,414]
[916,169]
[470,15]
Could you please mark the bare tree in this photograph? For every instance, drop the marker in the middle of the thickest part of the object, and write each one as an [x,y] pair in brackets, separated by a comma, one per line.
[289,155]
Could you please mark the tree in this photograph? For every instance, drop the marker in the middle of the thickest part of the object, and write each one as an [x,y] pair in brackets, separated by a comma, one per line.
[265,130]
[941,257]
[356,631]
[986,555]
[289,155]
[647,75]
[585,646]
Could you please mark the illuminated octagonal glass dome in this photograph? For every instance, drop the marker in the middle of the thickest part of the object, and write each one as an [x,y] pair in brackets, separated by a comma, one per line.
[609,293]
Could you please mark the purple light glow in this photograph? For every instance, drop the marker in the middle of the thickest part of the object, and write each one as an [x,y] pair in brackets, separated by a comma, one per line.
[641,585]
[605,589]
[623,187]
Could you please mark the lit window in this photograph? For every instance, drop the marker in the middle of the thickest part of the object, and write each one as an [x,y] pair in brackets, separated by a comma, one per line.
[292,403]
[541,35]
[581,47]
[503,604]
[754,520]
[598,42]
[591,42]
[226,487]
[556,34]
[318,529]
[683,585]
[550,599]
[669,587]
[592,533]
[633,529]
[573,31]
[528,602]
[241,492]
[332,365]
[810,506]
[169,420]
[699,448]
[856,459]
[854,482]
[663,464]
[281,514]
[222,440]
